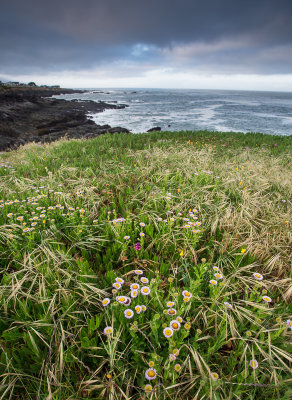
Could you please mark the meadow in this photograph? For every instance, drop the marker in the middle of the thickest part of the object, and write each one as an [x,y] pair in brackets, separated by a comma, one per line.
[148,266]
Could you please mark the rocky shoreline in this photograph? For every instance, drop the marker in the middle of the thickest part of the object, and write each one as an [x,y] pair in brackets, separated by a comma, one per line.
[30,114]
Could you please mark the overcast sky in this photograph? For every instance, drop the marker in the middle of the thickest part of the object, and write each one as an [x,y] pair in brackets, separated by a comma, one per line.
[208,44]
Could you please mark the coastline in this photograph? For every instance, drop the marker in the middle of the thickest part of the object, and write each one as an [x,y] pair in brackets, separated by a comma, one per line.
[30,114]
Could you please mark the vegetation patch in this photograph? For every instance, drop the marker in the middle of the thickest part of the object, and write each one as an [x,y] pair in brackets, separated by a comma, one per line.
[152,266]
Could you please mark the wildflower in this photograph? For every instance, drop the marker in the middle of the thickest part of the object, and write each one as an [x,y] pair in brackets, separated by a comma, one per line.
[171,311]
[218,276]
[167,332]
[176,352]
[20,218]
[187,326]
[117,285]
[129,313]
[114,291]
[128,301]
[175,325]
[150,374]
[105,301]
[108,330]
[214,376]
[179,319]
[267,299]
[121,299]
[108,376]
[142,224]
[142,234]
[134,286]
[172,357]
[203,259]
[137,246]
[181,253]
[215,268]
[177,367]
[289,323]
[254,364]
[145,290]
[138,309]
[228,305]
[186,299]
[138,272]
[144,308]
[186,293]
[171,219]
[120,280]
[213,282]
[148,388]
[127,237]
[243,251]
[258,276]
[9,215]
[143,279]
[26,230]
[134,293]
[170,303]
[170,279]
[151,364]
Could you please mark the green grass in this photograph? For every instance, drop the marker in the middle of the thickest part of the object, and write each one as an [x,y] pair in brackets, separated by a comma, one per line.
[65,209]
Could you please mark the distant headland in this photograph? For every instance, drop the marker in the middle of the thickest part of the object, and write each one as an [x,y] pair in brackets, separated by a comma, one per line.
[29,113]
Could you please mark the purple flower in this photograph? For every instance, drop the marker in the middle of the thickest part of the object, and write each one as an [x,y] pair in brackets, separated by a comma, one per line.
[275,145]
[137,246]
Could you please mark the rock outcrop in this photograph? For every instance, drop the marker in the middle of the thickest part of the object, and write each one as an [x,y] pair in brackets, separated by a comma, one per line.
[29,114]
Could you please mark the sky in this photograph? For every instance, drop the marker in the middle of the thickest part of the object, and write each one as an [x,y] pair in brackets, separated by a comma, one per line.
[184,44]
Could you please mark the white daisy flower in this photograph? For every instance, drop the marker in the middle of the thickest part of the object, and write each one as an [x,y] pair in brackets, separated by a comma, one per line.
[213,282]
[258,276]
[170,303]
[138,272]
[150,374]
[129,313]
[186,293]
[175,325]
[120,280]
[108,330]
[218,276]
[142,224]
[117,285]
[254,364]
[135,286]
[121,299]
[228,305]
[171,311]
[172,357]
[144,308]
[143,279]
[289,323]
[138,309]
[105,302]
[145,290]
[128,301]
[134,293]
[168,332]
[267,299]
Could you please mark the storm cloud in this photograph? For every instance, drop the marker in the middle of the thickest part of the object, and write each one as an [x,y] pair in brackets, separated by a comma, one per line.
[133,38]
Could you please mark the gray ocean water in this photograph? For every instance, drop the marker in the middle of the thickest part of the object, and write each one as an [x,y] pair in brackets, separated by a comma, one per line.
[174,110]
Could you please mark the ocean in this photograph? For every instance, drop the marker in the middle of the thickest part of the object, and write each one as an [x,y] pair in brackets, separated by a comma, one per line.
[176,110]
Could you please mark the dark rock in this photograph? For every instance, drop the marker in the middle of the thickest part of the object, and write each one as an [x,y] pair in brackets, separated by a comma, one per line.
[155,129]
[28,114]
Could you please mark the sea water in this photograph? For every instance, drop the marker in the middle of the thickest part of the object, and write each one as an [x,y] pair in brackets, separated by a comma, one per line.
[175,110]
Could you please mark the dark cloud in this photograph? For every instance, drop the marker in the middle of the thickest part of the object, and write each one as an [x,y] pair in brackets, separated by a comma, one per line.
[253,36]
